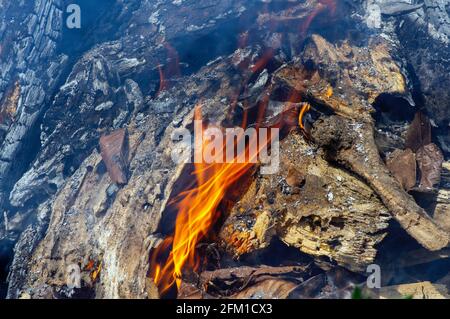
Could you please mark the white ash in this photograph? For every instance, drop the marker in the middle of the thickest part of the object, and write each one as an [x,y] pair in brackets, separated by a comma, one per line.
[330,196]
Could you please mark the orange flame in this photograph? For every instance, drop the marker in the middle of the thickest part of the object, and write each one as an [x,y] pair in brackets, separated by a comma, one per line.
[262,62]
[198,207]
[172,69]
[162,80]
[305,108]
[323,5]
[197,211]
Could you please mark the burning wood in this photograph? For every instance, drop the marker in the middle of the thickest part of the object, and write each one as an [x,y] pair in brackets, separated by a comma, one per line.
[350,91]
[216,172]
[311,206]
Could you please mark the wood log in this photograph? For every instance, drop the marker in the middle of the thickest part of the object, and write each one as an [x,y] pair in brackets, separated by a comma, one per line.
[118,226]
[350,137]
[319,209]
[352,144]
[422,31]
[246,282]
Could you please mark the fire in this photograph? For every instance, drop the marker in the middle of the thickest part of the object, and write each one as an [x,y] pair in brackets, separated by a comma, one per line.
[197,212]
[162,80]
[171,69]
[198,208]
[261,63]
[305,108]
[324,5]
[329,92]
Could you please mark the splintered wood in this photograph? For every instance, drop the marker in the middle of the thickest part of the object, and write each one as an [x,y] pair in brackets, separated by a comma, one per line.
[352,144]
[309,204]
[320,209]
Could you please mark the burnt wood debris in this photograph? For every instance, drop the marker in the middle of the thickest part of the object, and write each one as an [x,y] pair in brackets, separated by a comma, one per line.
[358,88]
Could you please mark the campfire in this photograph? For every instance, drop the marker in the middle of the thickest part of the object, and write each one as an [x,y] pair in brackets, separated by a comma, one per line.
[227,149]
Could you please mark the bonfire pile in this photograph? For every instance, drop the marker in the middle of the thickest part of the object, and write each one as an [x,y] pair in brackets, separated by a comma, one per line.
[362,179]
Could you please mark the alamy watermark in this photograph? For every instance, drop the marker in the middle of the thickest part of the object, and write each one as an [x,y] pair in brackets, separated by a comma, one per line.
[73,20]
[374,279]
[214,145]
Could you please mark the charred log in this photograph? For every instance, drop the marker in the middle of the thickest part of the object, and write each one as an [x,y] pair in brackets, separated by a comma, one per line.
[311,206]
[352,144]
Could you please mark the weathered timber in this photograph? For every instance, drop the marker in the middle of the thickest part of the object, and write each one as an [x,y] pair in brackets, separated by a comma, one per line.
[352,144]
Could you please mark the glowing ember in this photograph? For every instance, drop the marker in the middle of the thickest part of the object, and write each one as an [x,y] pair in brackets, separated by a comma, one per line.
[329,92]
